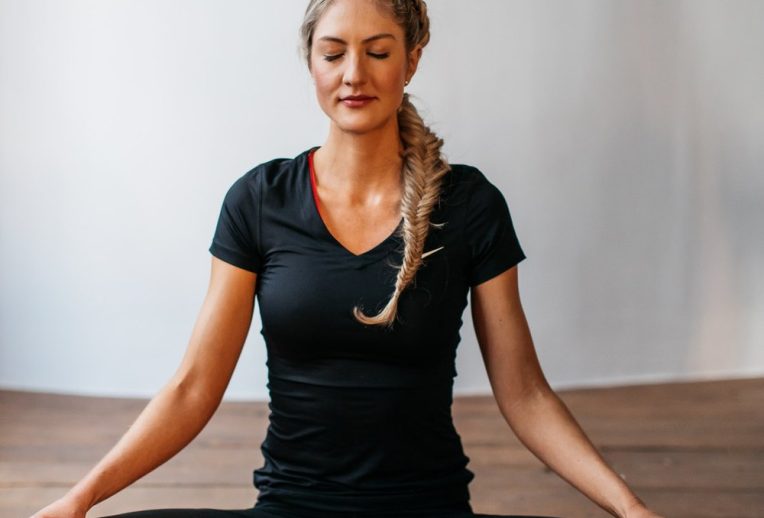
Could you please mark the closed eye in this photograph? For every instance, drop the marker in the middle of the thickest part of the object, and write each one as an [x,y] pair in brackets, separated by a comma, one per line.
[333,57]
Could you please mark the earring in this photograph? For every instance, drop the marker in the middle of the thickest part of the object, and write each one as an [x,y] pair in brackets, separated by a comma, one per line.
[406,83]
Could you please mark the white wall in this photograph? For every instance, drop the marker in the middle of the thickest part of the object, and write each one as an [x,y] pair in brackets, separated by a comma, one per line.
[626,136]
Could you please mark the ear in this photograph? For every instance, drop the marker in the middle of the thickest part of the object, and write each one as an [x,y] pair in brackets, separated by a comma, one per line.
[413,60]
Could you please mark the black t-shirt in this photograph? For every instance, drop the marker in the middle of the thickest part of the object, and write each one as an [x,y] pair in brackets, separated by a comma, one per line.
[360,416]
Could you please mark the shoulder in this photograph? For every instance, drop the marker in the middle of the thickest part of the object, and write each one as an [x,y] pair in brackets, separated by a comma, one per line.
[464,172]
[482,200]
[262,171]
[275,175]
[465,182]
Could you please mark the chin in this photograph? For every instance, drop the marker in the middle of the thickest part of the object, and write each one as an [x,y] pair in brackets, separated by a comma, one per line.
[361,123]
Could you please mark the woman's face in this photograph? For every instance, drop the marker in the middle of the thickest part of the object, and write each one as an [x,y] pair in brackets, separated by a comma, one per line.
[359,50]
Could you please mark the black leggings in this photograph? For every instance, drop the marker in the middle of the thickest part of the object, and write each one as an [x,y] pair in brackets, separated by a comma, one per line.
[283,511]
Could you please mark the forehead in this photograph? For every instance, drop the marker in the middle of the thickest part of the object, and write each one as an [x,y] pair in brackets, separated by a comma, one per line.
[355,20]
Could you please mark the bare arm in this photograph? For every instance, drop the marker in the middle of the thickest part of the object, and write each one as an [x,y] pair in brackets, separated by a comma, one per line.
[535,413]
[186,403]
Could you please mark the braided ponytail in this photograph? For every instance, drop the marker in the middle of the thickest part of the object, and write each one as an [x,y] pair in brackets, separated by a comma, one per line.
[423,170]
[423,162]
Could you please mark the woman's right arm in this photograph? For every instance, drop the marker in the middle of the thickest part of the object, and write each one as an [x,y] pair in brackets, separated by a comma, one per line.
[181,409]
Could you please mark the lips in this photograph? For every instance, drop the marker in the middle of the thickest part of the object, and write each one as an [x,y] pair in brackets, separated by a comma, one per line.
[356,101]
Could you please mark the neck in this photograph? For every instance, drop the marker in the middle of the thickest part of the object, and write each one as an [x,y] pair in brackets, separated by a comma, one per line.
[360,166]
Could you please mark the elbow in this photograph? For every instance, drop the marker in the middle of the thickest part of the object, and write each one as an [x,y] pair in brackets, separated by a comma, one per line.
[200,395]
[526,400]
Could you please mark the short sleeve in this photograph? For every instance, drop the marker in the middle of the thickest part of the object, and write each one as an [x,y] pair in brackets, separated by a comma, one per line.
[489,233]
[237,233]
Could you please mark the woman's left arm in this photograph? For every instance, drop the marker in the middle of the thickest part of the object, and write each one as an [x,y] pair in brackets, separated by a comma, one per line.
[535,413]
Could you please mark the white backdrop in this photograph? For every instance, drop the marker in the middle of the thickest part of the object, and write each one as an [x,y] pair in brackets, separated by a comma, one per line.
[627,138]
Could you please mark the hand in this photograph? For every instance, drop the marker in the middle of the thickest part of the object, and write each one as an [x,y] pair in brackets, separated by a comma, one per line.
[64,507]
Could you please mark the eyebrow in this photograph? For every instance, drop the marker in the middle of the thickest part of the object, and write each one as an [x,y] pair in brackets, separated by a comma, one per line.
[366,40]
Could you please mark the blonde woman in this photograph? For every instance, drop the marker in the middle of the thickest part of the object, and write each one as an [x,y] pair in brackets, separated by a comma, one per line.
[361,253]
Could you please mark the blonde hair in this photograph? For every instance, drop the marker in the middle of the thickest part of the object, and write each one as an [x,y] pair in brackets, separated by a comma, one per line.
[423,162]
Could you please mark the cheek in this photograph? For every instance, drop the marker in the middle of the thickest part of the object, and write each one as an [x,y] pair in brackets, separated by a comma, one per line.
[324,84]
[325,81]
[395,81]
[394,77]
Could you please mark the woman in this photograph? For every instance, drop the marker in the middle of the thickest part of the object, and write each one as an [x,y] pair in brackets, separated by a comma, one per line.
[361,253]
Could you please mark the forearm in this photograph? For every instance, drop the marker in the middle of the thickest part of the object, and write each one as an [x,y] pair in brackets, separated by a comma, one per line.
[165,426]
[544,425]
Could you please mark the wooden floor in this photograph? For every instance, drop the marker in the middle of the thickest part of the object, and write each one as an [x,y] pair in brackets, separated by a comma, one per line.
[690,450]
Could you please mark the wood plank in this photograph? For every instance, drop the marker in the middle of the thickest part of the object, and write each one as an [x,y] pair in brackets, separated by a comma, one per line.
[689,449]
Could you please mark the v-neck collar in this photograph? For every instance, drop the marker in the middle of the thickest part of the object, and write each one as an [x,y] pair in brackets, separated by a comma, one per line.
[376,251]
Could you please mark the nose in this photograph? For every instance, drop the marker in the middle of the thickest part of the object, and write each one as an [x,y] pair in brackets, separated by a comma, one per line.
[354,72]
